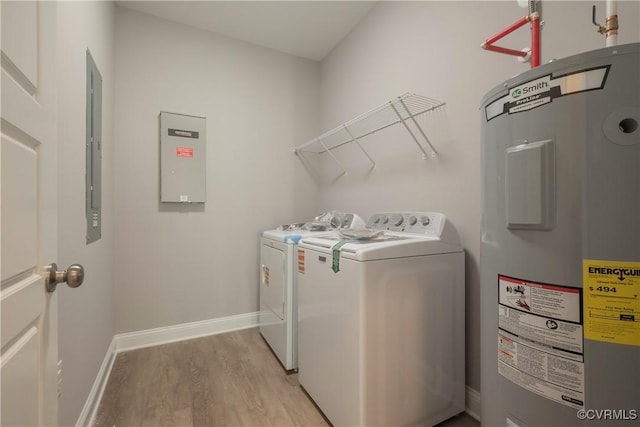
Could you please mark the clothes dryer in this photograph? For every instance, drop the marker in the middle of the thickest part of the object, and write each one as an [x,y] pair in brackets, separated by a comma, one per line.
[381,321]
[278,263]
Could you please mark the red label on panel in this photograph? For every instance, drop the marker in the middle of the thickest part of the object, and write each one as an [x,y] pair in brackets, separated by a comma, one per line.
[184,152]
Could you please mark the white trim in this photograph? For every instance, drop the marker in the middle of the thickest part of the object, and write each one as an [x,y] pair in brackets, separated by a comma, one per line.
[88,414]
[153,337]
[473,403]
[184,331]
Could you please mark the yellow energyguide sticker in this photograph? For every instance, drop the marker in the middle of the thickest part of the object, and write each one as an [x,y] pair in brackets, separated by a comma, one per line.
[611,301]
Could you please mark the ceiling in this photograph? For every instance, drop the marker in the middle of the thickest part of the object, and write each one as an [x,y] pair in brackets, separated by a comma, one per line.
[310,29]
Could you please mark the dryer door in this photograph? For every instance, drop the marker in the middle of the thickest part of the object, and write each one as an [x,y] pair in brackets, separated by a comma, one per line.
[272,279]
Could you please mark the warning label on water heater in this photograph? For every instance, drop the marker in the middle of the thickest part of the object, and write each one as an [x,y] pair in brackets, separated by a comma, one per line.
[612,301]
[540,339]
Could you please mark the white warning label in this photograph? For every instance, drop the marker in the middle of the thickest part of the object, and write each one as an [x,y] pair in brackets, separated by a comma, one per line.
[540,339]
[545,373]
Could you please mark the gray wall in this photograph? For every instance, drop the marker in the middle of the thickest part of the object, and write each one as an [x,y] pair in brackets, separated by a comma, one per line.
[433,49]
[86,314]
[177,263]
[158,265]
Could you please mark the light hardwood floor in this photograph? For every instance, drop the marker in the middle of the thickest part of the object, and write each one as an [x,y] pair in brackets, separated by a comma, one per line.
[229,379]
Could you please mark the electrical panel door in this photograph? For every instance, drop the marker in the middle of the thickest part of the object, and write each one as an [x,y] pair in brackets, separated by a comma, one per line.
[182,158]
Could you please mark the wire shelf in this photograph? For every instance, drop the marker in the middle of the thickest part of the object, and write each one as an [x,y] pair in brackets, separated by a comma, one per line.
[402,109]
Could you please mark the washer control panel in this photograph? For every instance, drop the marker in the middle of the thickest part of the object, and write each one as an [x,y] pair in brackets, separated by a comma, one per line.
[429,223]
[347,221]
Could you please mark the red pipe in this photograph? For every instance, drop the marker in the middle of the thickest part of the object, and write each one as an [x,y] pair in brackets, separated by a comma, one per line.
[506,51]
[534,18]
[535,40]
[510,29]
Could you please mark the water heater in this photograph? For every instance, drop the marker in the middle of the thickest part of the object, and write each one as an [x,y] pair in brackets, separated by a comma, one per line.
[560,249]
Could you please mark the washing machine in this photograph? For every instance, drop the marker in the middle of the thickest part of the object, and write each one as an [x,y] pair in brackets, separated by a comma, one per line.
[278,265]
[381,321]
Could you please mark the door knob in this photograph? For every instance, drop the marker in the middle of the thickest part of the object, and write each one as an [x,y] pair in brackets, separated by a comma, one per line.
[73,276]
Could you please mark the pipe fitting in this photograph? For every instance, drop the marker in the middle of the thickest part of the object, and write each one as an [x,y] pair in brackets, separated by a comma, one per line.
[611,26]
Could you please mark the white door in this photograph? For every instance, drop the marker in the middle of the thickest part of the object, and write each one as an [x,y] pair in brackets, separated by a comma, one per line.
[29,214]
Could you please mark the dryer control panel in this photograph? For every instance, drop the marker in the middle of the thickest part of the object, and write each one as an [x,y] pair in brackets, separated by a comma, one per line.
[425,223]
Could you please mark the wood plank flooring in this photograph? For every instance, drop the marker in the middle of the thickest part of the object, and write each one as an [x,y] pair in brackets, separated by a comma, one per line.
[229,379]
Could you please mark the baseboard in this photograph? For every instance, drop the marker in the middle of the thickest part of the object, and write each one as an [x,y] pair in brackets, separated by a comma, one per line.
[185,331]
[90,408]
[473,403]
[153,337]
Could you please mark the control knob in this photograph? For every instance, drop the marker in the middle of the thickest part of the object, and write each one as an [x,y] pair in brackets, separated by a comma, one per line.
[397,220]
[425,221]
[412,220]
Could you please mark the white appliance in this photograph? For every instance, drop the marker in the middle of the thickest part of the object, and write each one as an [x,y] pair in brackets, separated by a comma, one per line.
[560,247]
[381,322]
[278,263]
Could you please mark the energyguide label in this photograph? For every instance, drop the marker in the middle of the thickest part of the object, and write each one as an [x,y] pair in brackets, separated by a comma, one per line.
[611,301]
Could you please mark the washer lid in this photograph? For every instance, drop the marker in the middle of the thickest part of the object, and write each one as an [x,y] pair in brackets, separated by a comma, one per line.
[290,236]
[386,246]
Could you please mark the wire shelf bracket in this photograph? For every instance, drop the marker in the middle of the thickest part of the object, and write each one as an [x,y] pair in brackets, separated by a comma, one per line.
[402,109]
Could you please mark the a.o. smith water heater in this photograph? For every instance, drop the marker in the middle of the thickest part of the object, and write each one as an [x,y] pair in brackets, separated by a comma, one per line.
[560,250]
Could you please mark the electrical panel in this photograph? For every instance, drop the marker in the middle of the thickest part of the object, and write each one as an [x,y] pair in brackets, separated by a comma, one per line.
[182,158]
[93,152]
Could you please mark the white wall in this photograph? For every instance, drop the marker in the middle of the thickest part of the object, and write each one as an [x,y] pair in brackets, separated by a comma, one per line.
[159,265]
[177,263]
[433,48]
[86,314]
